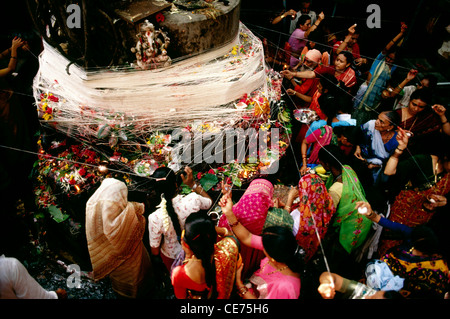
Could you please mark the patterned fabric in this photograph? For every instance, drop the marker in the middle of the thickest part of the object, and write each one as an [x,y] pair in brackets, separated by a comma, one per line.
[352,227]
[407,209]
[278,217]
[183,205]
[226,256]
[316,209]
[114,231]
[425,277]
[251,211]
[320,138]
[381,73]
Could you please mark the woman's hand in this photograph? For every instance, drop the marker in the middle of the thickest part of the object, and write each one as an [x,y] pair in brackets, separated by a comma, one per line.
[321,16]
[293,193]
[434,201]
[188,178]
[402,138]
[411,75]
[239,282]
[351,30]
[226,203]
[358,153]
[360,61]
[290,92]
[365,209]
[327,289]
[291,12]
[304,170]
[17,43]
[403,27]
[439,110]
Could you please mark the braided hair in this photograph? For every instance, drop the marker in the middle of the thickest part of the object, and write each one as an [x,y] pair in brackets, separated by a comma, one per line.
[200,235]
[166,185]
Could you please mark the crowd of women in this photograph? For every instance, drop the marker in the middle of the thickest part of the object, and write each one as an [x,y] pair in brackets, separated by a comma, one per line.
[365,215]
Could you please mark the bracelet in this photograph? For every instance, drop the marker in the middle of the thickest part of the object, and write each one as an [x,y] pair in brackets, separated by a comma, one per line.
[234,224]
[287,207]
[242,291]
[304,156]
[194,186]
[13,57]
[401,150]
[282,16]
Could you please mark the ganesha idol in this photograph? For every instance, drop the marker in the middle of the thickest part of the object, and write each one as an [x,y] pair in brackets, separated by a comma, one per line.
[151,47]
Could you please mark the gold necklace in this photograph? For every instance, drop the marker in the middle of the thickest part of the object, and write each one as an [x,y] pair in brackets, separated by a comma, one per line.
[276,270]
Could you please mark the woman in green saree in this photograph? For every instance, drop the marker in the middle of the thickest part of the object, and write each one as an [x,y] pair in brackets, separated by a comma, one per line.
[348,229]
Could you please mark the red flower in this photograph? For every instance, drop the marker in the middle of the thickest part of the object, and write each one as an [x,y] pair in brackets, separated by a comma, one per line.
[72,181]
[53,98]
[82,171]
[160,17]
[211,171]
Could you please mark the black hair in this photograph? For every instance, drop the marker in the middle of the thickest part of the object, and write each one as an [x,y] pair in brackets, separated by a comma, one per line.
[166,184]
[280,243]
[348,56]
[424,94]
[424,240]
[329,83]
[352,133]
[328,106]
[302,20]
[344,102]
[432,79]
[332,155]
[200,235]
[394,118]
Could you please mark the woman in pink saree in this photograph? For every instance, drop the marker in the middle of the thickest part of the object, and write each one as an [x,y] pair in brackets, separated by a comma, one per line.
[251,211]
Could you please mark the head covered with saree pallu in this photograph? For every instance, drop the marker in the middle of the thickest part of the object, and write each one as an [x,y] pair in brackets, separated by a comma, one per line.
[251,211]
[316,209]
[426,275]
[114,231]
[353,227]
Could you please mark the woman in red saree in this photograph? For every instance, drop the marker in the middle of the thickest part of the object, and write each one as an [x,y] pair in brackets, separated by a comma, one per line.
[209,267]
[413,182]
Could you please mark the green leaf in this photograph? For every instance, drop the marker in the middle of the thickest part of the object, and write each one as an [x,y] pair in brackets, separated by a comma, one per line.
[236,181]
[208,181]
[57,214]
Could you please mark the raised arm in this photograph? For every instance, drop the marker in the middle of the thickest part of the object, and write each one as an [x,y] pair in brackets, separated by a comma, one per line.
[282,16]
[343,45]
[440,111]
[409,77]
[391,165]
[315,25]
[242,233]
[396,39]
[16,44]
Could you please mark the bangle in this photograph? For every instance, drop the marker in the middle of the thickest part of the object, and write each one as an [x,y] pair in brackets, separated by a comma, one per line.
[282,16]
[401,150]
[287,207]
[234,224]
[242,291]
[13,57]
[304,156]
[194,186]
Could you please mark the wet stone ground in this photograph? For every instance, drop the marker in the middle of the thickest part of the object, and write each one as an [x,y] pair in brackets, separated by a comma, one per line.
[48,256]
